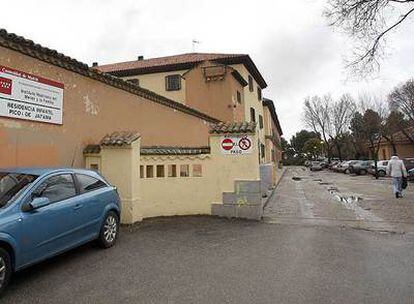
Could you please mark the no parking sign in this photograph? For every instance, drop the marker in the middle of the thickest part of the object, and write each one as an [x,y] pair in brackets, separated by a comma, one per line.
[236,145]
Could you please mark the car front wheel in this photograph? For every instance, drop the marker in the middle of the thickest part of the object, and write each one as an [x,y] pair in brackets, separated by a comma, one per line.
[109,230]
[381,173]
[5,269]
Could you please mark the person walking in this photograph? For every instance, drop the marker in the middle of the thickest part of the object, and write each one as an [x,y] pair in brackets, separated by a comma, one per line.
[396,169]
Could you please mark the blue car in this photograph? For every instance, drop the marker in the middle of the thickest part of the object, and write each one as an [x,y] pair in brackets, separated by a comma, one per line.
[44,212]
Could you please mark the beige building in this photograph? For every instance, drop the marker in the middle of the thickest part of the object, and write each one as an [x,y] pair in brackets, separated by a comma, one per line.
[273,133]
[225,86]
[166,157]
[402,144]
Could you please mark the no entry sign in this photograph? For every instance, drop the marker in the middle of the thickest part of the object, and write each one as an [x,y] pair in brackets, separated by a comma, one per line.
[227,144]
[236,145]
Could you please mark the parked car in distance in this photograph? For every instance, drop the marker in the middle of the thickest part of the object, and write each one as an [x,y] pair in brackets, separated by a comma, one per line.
[44,212]
[316,166]
[338,166]
[381,167]
[324,164]
[344,166]
[334,164]
[409,163]
[411,174]
[360,167]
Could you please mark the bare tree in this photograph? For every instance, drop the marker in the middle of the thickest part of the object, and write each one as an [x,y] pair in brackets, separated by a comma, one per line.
[316,115]
[375,112]
[341,114]
[394,122]
[368,22]
[375,102]
[402,99]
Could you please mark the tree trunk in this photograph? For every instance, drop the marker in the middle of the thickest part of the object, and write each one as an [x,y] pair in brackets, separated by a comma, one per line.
[392,143]
[376,150]
[338,147]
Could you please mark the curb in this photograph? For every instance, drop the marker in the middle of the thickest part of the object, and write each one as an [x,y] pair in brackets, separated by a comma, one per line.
[274,189]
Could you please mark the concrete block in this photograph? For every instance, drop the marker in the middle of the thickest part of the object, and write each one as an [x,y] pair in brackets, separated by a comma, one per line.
[247,186]
[250,212]
[241,199]
[234,211]
[223,211]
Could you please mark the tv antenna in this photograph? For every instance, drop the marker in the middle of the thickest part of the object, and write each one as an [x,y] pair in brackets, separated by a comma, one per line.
[195,42]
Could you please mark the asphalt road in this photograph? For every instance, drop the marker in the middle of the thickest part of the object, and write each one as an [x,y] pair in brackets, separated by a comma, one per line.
[211,260]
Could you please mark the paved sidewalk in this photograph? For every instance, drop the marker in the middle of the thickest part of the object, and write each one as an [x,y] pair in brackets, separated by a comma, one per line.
[338,199]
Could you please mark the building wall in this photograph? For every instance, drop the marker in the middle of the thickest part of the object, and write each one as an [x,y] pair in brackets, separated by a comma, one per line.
[217,98]
[144,197]
[194,195]
[156,83]
[91,109]
[251,101]
[268,132]
[403,150]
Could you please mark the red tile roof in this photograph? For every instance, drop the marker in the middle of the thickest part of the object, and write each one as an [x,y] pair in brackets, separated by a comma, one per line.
[29,48]
[269,103]
[120,138]
[180,62]
[233,127]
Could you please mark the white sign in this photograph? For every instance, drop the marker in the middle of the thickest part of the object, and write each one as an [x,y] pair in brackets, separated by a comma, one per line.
[29,97]
[236,145]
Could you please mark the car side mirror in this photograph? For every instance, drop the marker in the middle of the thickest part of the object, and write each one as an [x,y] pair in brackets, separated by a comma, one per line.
[36,203]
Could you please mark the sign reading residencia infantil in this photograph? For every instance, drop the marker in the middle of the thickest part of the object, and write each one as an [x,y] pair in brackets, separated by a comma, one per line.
[30,97]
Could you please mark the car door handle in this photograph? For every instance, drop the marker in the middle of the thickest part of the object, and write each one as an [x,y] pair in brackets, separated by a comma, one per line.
[77,206]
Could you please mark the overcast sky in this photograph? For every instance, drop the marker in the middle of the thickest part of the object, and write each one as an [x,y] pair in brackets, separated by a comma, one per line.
[289,41]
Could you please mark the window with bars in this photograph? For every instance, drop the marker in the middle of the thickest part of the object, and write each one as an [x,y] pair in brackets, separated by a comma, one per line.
[172,170]
[150,172]
[184,170]
[261,121]
[160,171]
[259,94]
[239,99]
[173,82]
[250,83]
[252,115]
[197,170]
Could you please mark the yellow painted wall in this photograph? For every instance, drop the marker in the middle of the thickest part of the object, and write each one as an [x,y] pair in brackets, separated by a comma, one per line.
[120,166]
[164,196]
[156,83]
[168,196]
[194,195]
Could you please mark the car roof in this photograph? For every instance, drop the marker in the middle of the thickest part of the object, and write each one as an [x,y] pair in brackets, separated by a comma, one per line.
[44,170]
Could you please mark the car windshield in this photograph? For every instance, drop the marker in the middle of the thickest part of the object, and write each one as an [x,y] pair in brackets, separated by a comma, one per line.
[11,184]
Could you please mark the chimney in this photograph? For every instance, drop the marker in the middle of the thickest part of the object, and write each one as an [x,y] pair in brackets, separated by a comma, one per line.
[94,64]
[140,58]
